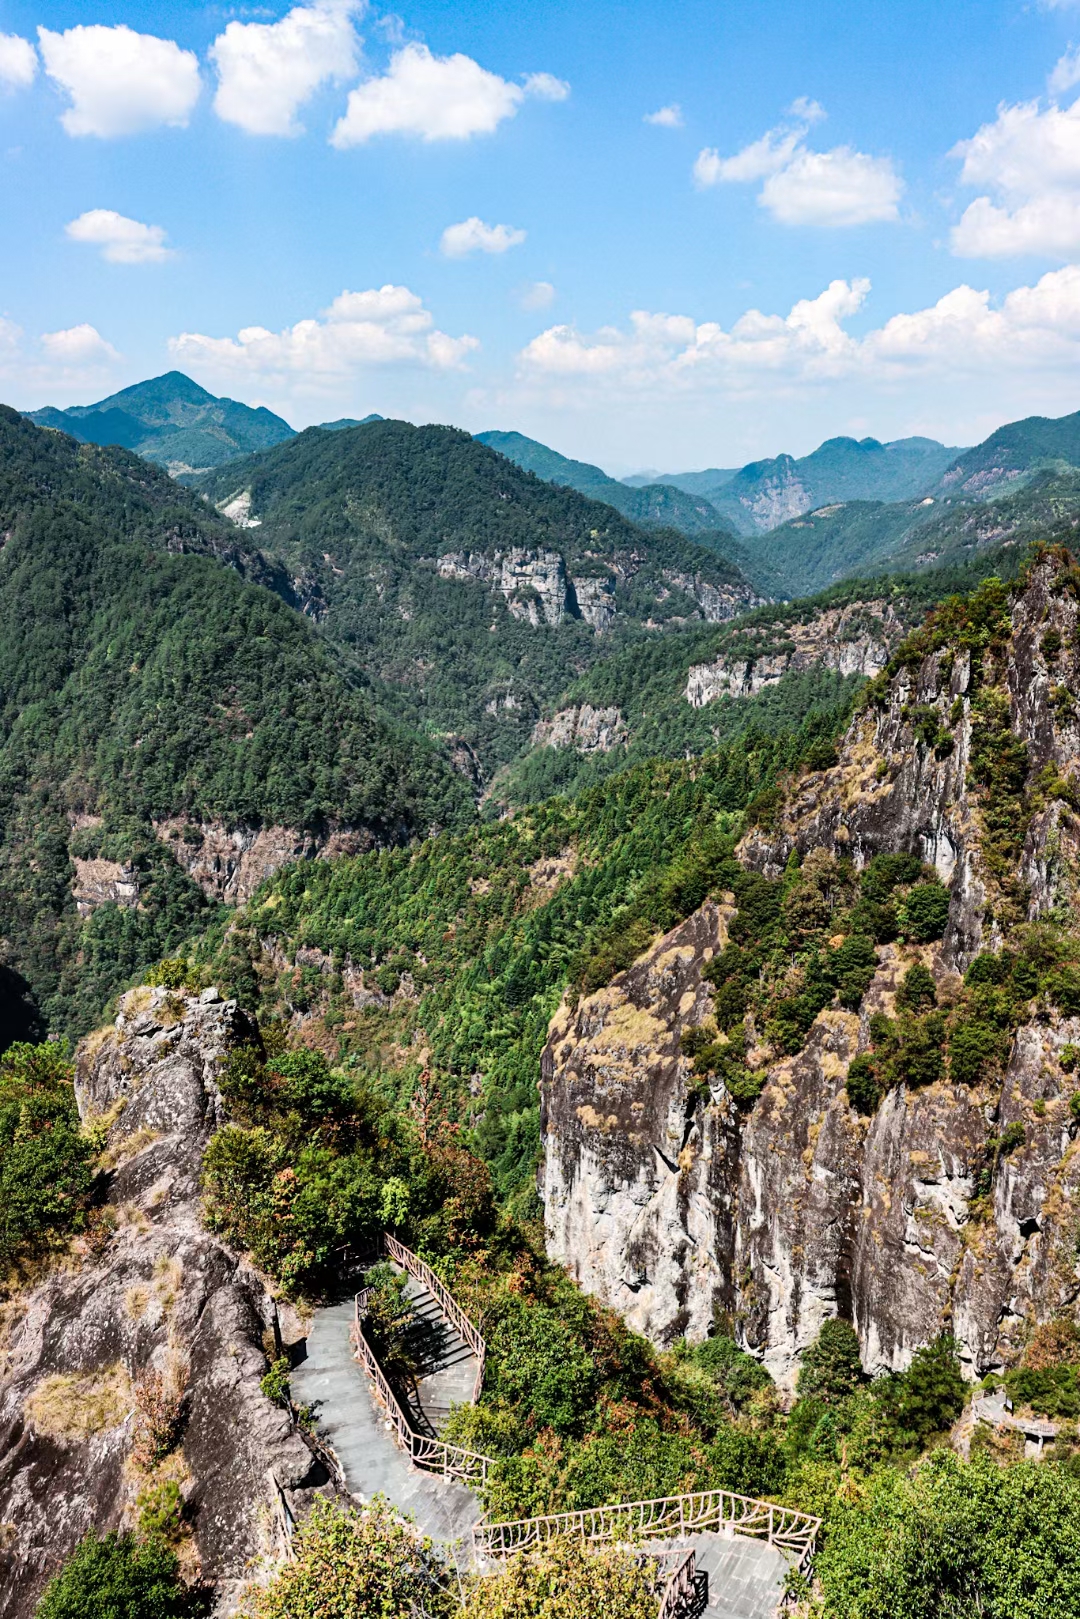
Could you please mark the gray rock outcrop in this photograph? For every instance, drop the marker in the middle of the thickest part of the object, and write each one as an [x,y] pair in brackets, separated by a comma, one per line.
[151,1294]
[853,640]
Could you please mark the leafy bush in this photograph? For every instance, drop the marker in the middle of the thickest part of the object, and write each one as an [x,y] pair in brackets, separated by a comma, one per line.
[45,1160]
[564,1579]
[927,1398]
[917,992]
[540,1366]
[924,912]
[863,1088]
[974,1048]
[348,1563]
[118,1577]
[831,1367]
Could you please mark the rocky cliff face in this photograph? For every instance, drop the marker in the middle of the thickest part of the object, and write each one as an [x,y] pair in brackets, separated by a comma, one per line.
[229,863]
[677,1208]
[151,1296]
[853,640]
[588,729]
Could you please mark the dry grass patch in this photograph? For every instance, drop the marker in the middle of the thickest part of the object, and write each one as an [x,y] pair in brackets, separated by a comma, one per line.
[122,1151]
[77,1405]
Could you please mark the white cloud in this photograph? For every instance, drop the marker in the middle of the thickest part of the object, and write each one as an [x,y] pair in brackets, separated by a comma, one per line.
[437,98]
[120,82]
[473,236]
[266,71]
[834,188]
[537,295]
[807,110]
[801,187]
[1066,72]
[77,346]
[669,117]
[18,62]
[122,240]
[382,326]
[1035,329]
[1029,159]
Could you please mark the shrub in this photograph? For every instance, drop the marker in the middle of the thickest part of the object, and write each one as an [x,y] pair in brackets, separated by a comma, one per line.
[831,1368]
[928,1397]
[173,973]
[974,1048]
[160,1509]
[542,1368]
[350,1564]
[863,1087]
[117,1577]
[924,912]
[917,992]
[565,1579]
[45,1168]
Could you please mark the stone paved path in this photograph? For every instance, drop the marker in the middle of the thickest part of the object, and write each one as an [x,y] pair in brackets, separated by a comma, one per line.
[355,1427]
[746,1577]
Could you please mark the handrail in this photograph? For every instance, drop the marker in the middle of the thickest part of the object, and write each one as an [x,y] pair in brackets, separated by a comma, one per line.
[680,1589]
[668,1518]
[447,1304]
[433,1454]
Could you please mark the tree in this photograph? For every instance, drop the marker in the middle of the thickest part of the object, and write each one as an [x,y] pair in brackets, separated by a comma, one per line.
[831,1368]
[119,1577]
[566,1579]
[350,1564]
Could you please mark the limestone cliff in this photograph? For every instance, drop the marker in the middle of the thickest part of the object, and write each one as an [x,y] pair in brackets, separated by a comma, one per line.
[150,1295]
[678,1208]
[852,640]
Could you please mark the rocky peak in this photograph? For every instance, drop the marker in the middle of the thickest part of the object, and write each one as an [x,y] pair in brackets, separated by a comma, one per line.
[150,1294]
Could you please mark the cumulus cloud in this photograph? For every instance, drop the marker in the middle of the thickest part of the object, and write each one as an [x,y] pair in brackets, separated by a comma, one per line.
[18,62]
[120,82]
[536,295]
[1034,327]
[78,346]
[1065,72]
[837,188]
[669,117]
[121,240]
[266,71]
[1029,160]
[382,326]
[473,236]
[437,98]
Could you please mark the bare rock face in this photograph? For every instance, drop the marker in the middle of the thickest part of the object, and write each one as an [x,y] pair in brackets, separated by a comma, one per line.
[156,1294]
[100,881]
[533,582]
[892,789]
[672,1206]
[230,863]
[853,640]
[588,729]
[716,603]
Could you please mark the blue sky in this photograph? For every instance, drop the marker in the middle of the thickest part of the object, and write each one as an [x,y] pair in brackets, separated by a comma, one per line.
[846,219]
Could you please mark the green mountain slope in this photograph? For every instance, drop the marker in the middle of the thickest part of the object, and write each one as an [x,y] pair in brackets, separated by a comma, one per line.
[139,685]
[468,587]
[1011,456]
[172,421]
[656,504]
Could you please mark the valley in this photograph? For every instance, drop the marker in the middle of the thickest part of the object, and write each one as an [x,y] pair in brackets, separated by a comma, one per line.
[660,925]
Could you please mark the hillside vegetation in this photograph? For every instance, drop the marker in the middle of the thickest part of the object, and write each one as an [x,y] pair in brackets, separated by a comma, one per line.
[457,580]
[138,684]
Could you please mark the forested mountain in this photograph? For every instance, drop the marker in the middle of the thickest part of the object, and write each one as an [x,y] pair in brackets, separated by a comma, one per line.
[1011,456]
[654,502]
[762,494]
[146,692]
[172,421]
[468,586]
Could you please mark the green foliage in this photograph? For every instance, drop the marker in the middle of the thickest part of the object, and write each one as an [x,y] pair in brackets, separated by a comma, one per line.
[275,1383]
[924,912]
[173,973]
[539,1366]
[160,1509]
[917,992]
[831,1368]
[45,1161]
[564,1579]
[927,1398]
[863,1089]
[956,1538]
[1051,1391]
[118,1577]
[348,1563]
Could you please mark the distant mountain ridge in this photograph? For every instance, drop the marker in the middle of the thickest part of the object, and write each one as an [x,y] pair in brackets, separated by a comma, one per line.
[657,505]
[172,421]
[763,494]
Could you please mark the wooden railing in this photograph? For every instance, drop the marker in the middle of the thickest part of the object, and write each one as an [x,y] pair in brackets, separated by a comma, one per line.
[680,1592]
[432,1454]
[673,1517]
[447,1304]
